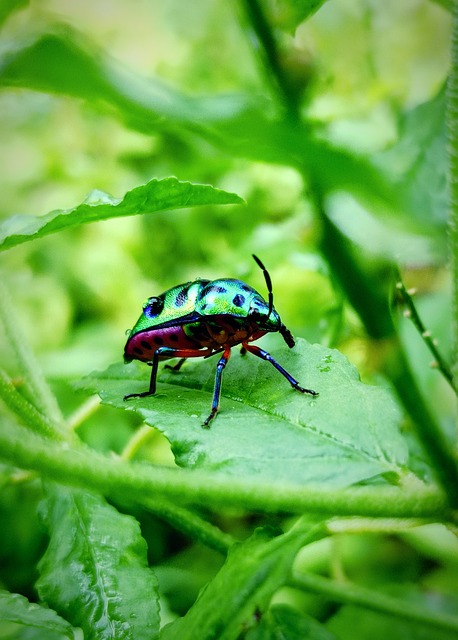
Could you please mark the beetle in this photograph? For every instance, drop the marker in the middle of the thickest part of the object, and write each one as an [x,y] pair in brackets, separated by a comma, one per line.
[201,318]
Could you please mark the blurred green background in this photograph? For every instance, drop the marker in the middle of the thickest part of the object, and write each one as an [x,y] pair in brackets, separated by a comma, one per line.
[335,127]
[360,70]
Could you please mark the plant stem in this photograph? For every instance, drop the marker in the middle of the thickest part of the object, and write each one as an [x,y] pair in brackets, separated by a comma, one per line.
[367,292]
[190,524]
[452,122]
[413,315]
[362,597]
[41,393]
[268,47]
[79,466]
[26,412]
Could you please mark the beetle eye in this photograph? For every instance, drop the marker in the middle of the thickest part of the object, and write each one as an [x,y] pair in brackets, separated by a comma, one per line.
[153,307]
[254,314]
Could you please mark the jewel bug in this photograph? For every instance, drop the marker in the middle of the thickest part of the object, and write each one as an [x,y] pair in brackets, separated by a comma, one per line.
[201,318]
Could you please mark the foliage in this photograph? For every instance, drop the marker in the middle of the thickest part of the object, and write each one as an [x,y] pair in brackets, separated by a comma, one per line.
[311,134]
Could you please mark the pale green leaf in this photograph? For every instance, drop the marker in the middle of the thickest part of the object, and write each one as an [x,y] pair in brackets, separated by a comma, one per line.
[155,195]
[348,434]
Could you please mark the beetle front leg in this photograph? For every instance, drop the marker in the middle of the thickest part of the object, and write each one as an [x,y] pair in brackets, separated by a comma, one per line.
[168,352]
[222,362]
[266,356]
[152,381]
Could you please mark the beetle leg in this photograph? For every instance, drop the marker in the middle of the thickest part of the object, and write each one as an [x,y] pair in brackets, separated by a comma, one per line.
[167,352]
[222,362]
[152,382]
[175,367]
[266,356]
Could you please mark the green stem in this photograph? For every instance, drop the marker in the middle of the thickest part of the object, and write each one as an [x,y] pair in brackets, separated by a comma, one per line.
[41,393]
[267,45]
[412,313]
[362,597]
[452,122]
[190,524]
[136,481]
[367,291]
[26,412]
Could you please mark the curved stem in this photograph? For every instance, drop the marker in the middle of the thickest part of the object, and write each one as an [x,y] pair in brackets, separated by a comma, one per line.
[42,395]
[369,599]
[26,412]
[268,48]
[79,466]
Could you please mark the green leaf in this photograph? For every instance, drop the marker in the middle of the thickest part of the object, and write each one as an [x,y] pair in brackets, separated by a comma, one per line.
[95,571]
[253,572]
[39,621]
[348,434]
[62,61]
[155,195]
[282,621]
[417,164]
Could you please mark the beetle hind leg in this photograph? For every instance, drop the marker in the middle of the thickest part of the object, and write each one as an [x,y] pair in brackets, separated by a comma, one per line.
[266,356]
[177,366]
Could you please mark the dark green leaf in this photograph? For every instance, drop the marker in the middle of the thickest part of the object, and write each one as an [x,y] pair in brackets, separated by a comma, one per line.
[348,434]
[155,195]
[281,622]
[94,571]
[253,571]
[40,622]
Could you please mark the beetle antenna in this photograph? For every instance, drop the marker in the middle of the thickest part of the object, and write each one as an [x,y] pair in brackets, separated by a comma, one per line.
[268,283]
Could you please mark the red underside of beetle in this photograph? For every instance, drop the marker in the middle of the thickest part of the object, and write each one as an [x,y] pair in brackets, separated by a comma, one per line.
[212,334]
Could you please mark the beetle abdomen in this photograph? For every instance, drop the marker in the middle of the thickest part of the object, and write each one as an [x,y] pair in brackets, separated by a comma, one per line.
[143,344]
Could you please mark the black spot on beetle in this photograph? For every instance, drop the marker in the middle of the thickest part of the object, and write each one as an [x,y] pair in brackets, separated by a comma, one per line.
[153,307]
[238,300]
[173,337]
[145,344]
[138,351]
[217,289]
[181,297]
[159,340]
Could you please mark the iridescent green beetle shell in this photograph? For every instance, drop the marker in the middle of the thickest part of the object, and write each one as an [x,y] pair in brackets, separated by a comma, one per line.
[191,301]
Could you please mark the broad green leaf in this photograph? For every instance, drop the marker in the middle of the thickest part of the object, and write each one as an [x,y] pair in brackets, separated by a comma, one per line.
[348,434]
[281,621]
[94,571]
[62,61]
[253,572]
[155,195]
[39,622]
[418,165]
